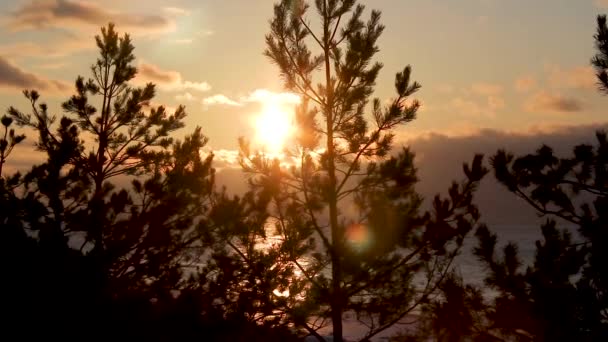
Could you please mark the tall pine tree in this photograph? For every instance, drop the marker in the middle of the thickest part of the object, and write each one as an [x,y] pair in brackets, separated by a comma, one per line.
[345,214]
[109,256]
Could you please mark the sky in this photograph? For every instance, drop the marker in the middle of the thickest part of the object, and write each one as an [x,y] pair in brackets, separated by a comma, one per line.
[508,66]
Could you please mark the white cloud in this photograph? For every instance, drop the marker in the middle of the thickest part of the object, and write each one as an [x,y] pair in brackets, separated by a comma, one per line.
[176,10]
[220,99]
[199,86]
[226,158]
[184,97]
[265,96]
[261,96]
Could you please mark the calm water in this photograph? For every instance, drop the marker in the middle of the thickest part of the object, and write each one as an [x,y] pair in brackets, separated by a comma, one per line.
[472,271]
[525,236]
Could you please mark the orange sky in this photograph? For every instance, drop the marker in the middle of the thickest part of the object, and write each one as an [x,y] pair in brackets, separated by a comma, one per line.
[509,65]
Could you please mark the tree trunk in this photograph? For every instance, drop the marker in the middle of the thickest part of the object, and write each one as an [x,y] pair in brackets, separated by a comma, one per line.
[336,235]
[97,200]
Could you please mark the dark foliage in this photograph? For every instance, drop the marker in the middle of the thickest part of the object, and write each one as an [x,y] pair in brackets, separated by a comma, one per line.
[85,259]
[562,295]
[600,60]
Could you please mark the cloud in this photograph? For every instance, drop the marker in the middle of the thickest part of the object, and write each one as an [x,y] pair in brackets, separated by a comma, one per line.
[154,73]
[220,99]
[544,101]
[43,14]
[176,10]
[79,20]
[261,96]
[204,33]
[439,159]
[13,77]
[185,97]
[580,77]
[473,108]
[168,80]
[525,84]
[601,3]
[466,107]
[199,86]
[495,103]
[226,158]
[265,96]
[486,89]
[52,65]
[51,49]
[184,41]
[479,100]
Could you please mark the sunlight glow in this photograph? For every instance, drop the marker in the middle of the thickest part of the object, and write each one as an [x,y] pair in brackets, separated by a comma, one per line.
[273,127]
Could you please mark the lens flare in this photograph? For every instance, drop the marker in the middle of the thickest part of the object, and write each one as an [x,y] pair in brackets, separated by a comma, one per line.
[358,235]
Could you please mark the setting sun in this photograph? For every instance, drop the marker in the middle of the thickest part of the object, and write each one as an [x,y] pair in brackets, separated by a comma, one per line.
[304,170]
[273,127]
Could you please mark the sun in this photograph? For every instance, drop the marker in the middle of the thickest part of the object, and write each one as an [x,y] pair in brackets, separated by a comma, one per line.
[273,127]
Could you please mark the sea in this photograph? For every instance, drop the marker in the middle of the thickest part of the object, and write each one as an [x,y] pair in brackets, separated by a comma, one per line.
[468,267]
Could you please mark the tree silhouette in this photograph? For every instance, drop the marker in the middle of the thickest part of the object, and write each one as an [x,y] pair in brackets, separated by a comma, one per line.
[562,295]
[8,141]
[365,262]
[124,136]
[109,257]
[600,60]
[564,291]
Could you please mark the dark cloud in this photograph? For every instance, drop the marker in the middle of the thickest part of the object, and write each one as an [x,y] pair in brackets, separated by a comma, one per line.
[13,77]
[167,79]
[39,14]
[439,159]
[544,101]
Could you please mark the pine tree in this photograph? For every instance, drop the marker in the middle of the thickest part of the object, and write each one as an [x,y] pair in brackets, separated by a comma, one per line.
[8,141]
[106,254]
[364,263]
[600,60]
[561,296]
[126,140]
[563,293]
